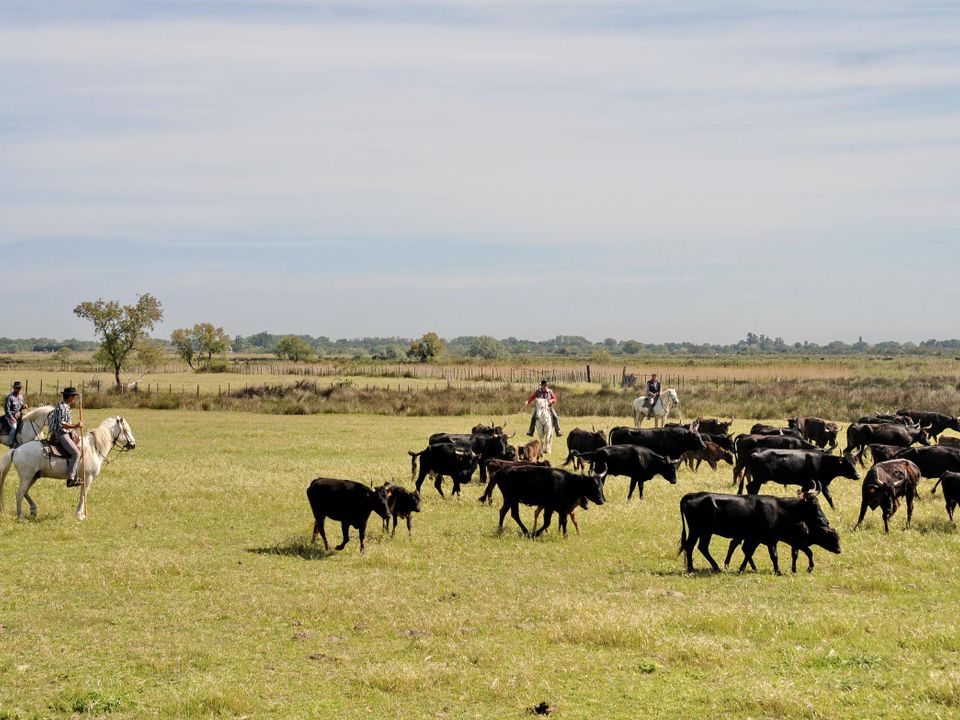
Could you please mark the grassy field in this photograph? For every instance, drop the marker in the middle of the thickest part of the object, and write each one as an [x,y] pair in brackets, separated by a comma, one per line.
[191,591]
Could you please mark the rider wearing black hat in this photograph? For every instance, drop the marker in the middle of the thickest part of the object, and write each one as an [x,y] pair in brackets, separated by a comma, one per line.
[13,407]
[60,424]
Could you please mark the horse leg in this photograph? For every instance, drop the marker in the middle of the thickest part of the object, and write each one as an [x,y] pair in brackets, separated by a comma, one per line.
[24,492]
[82,505]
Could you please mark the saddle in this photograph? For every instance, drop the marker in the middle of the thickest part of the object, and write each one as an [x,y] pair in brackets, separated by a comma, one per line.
[52,449]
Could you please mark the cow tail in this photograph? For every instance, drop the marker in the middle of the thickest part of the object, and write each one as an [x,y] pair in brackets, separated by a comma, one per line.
[683,531]
[413,463]
[934,490]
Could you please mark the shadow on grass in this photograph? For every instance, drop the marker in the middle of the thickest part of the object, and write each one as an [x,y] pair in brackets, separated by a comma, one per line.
[294,547]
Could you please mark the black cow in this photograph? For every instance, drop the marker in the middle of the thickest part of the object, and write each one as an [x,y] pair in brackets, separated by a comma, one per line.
[933,461]
[495,466]
[761,429]
[798,467]
[633,461]
[556,491]
[820,432]
[711,426]
[402,504]
[885,420]
[456,461]
[859,435]
[753,520]
[347,501]
[949,441]
[800,539]
[951,490]
[671,441]
[486,446]
[746,445]
[582,441]
[935,423]
[879,453]
[884,483]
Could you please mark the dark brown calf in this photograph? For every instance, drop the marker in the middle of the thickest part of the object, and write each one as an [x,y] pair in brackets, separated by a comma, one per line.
[712,454]
[884,483]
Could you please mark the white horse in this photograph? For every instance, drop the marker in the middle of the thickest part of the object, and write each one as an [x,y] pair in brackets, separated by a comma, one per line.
[667,401]
[32,423]
[544,424]
[32,463]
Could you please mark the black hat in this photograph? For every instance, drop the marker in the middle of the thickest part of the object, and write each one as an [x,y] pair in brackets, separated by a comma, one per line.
[543,382]
[17,384]
[69,391]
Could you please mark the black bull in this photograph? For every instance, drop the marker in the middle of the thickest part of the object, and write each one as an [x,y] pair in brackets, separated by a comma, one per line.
[798,467]
[671,441]
[487,446]
[754,520]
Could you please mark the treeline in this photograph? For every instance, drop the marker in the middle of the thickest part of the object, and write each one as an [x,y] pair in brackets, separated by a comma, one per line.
[489,348]
[11,346]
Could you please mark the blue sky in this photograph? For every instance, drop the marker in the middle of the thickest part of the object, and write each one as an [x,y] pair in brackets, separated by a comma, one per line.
[655,170]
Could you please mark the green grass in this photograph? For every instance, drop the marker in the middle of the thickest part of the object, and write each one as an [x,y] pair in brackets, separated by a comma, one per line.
[192,591]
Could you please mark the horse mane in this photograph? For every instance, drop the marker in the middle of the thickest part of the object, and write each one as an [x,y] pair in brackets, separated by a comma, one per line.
[38,412]
[102,438]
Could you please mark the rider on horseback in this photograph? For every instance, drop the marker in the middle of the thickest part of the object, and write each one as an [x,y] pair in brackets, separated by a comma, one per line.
[544,392]
[13,407]
[60,426]
[653,394]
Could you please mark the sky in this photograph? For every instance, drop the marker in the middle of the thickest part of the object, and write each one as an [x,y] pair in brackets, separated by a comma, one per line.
[661,171]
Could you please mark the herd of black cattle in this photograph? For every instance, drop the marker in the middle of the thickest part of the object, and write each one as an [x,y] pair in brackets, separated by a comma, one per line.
[799,454]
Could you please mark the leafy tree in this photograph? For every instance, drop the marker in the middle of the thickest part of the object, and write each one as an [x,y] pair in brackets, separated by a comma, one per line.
[202,341]
[427,348]
[121,328]
[238,344]
[486,347]
[631,347]
[601,357]
[293,348]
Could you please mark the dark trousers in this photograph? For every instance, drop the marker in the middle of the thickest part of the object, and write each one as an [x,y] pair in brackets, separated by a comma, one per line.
[553,414]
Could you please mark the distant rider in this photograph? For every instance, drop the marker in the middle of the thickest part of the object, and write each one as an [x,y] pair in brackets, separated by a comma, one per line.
[653,393]
[544,392]
[13,407]
[60,424]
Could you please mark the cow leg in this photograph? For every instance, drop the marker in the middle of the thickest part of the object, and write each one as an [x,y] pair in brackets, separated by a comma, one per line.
[562,519]
[809,554]
[772,549]
[704,547]
[826,493]
[421,477]
[547,517]
[409,529]
[437,484]
[886,523]
[734,544]
[863,511]
[361,531]
[573,519]
[951,504]
[503,513]
[394,531]
[345,526]
[738,474]
[536,515]
[318,530]
[713,464]
[794,552]
[748,550]
[456,488]
[909,506]
[515,514]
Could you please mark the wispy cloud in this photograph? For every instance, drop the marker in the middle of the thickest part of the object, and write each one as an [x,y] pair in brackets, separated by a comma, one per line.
[481,137]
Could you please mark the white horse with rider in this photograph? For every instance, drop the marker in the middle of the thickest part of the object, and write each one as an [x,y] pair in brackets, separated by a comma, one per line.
[665,403]
[544,424]
[32,423]
[33,461]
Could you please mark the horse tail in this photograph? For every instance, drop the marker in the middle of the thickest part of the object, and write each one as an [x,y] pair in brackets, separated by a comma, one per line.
[5,464]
